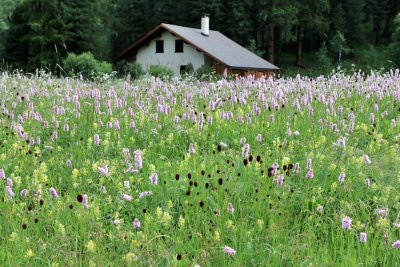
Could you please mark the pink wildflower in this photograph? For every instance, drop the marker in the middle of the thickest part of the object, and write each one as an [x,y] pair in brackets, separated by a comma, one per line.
[346,223]
[396,244]
[245,150]
[9,192]
[126,197]
[154,178]
[367,161]
[231,252]
[53,193]
[230,208]
[85,201]
[363,237]
[136,223]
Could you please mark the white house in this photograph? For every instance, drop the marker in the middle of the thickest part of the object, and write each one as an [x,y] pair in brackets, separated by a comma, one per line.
[177,46]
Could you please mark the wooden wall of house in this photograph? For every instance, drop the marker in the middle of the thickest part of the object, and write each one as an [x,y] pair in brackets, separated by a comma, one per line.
[220,68]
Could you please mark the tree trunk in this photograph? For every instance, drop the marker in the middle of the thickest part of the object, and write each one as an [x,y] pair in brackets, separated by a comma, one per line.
[300,36]
[271,43]
[279,45]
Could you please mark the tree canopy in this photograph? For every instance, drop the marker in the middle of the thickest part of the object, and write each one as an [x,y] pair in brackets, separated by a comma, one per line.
[40,33]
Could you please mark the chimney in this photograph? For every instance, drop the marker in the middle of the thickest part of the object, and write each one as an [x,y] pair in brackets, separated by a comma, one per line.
[205,25]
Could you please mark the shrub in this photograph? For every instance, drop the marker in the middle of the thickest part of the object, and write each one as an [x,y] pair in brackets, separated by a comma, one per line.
[134,70]
[86,65]
[204,73]
[162,72]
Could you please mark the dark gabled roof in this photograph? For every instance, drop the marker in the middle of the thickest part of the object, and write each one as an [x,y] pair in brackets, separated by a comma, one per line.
[215,45]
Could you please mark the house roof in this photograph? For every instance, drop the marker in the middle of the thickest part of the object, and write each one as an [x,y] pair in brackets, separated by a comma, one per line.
[215,45]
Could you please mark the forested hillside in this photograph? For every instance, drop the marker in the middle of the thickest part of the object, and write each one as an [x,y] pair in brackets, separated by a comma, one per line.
[39,33]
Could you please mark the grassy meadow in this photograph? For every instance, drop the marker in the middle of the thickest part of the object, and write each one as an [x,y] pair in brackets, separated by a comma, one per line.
[284,172]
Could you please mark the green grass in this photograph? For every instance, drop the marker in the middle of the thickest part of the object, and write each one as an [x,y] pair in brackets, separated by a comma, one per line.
[187,213]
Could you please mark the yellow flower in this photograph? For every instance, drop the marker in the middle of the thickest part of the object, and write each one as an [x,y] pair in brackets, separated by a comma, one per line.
[75,173]
[91,246]
[216,236]
[166,219]
[158,212]
[29,254]
[181,221]
[130,257]
[230,225]
[260,224]
[170,205]
[383,223]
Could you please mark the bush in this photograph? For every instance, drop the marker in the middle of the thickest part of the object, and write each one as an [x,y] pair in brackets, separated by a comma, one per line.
[162,72]
[204,73]
[134,70]
[86,65]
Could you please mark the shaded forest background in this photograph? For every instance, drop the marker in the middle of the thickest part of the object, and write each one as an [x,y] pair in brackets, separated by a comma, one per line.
[306,34]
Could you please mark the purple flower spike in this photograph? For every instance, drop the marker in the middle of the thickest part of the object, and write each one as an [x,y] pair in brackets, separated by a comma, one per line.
[346,223]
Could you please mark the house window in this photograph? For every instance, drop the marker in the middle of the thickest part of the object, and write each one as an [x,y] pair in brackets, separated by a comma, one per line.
[159,46]
[178,46]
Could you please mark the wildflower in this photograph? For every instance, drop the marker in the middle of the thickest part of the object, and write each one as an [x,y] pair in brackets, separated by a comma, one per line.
[181,221]
[29,254]
[91,246]
[85,201]
[154,178]
[393,123]
[372,118]
[116,222]
[341,142]
[341,177]
[103,170]
[296,133]
[279,180]
[10,192]
[9,182]
[243,140]
[260,224]
[367,161]
[346,223]
[275,168]
[367,183]
[138,159]
[2,174]
[103,189]
[310,174]
[24,192]
[136,223]
[145,194]
[363,237]
[191,149]
[297,168]
[397,225]
[259,138]
[231,252]
[130,257]
[245,150]
[126,184]
[126,197]
[96,140]
[320,209]
[396,244]
[309,164]
[53,193]
[382,213]
[68,163]
[131,170]
[230,208]
[166,219]
[223,145]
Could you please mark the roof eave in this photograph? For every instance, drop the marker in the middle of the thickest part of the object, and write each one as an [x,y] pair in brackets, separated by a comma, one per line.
[252,68]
